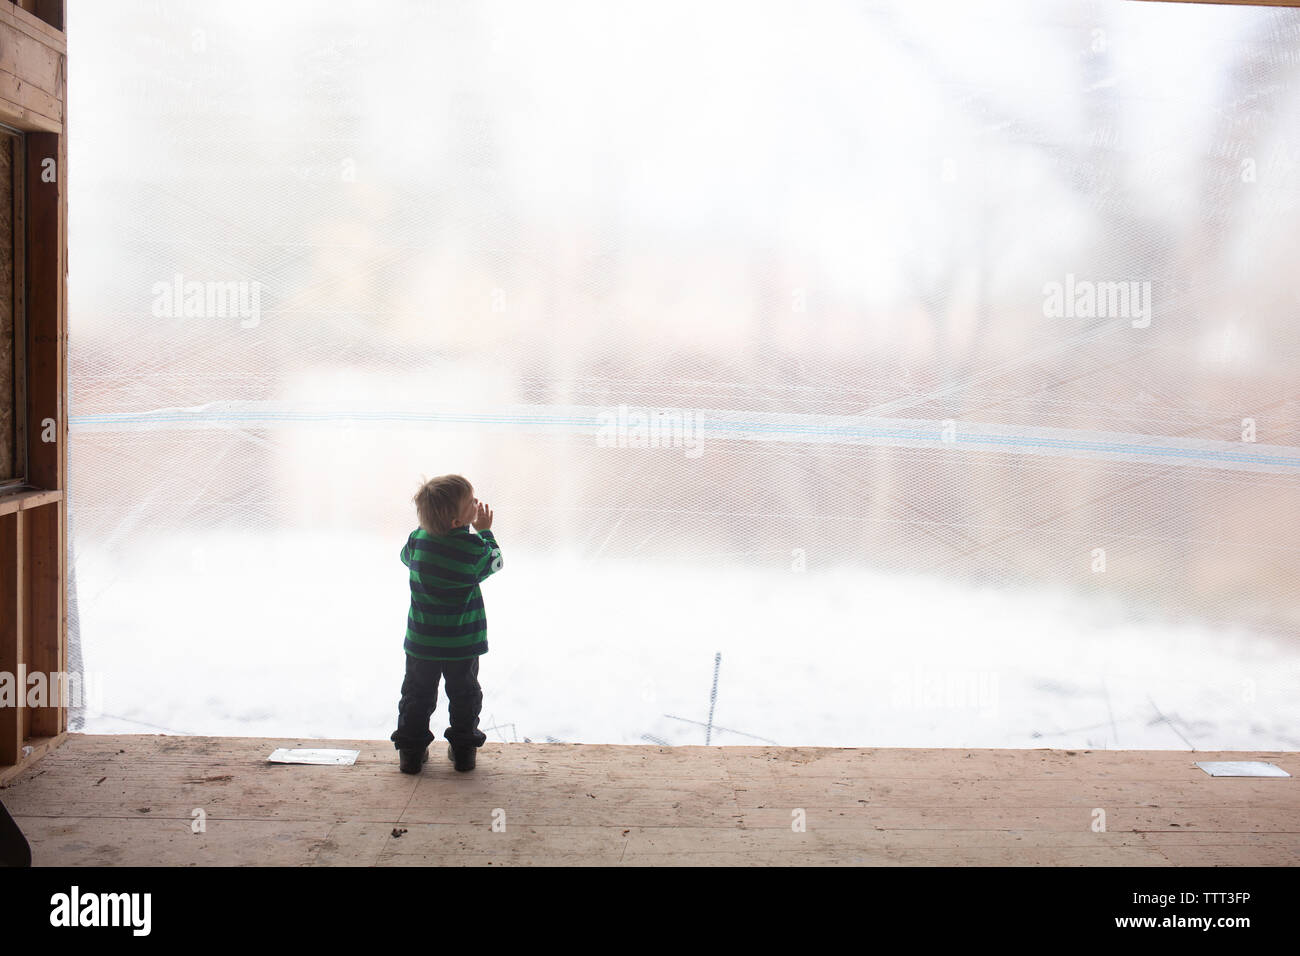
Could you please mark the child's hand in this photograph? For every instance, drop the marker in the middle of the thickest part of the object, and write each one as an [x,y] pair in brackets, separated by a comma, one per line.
[482,516]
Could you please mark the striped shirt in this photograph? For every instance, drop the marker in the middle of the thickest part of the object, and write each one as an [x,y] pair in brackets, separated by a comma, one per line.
[447,621]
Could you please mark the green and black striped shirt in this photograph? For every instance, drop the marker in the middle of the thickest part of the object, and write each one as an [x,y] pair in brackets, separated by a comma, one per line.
[447,621]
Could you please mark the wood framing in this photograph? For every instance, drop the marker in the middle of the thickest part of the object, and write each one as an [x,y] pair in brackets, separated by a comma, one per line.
[1236,3]
[33,518]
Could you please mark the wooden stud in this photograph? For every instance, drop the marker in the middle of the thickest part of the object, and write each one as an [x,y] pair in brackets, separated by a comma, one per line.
[13,418]
[60,724]
[11,635]
[44,651]
[45,372]
[26,500]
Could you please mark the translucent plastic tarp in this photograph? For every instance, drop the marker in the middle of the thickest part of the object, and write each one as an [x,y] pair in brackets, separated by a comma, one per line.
[841,374]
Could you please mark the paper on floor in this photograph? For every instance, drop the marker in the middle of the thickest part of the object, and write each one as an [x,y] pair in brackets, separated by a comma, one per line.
[1241,768]
[335,757]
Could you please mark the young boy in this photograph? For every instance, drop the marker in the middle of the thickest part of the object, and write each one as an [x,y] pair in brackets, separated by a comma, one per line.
[446,628]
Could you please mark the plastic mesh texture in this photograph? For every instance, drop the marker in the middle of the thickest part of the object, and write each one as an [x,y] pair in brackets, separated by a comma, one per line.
[934,364]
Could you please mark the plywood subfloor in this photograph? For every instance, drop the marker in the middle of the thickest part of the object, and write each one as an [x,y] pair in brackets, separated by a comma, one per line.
[132,800]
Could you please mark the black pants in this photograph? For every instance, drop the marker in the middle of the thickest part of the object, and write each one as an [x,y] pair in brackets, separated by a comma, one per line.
[420,697]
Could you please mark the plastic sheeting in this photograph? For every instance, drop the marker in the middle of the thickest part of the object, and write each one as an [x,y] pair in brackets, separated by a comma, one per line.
[934,364]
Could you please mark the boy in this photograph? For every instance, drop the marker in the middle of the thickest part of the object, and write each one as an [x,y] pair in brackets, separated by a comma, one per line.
[446,628]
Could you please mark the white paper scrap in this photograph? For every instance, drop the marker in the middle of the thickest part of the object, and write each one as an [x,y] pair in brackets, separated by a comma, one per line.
[1241,768]
[340,758]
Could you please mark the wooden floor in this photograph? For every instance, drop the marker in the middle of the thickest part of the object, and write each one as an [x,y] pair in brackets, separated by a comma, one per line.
[132,800]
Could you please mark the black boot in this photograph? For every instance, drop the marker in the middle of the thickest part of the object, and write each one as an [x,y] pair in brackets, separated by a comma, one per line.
[462,759]
[413,760]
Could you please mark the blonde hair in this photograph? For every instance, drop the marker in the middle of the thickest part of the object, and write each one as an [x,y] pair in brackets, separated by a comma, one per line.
[439,500]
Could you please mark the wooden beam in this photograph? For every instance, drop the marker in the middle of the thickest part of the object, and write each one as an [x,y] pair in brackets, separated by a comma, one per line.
[46,424]
[13,418]
[40,746]
[41,609]
[11,635]
[33,62]
[33,77]
[28,99]
[1235,3]
[32,24]
[26,500]
[60,727]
